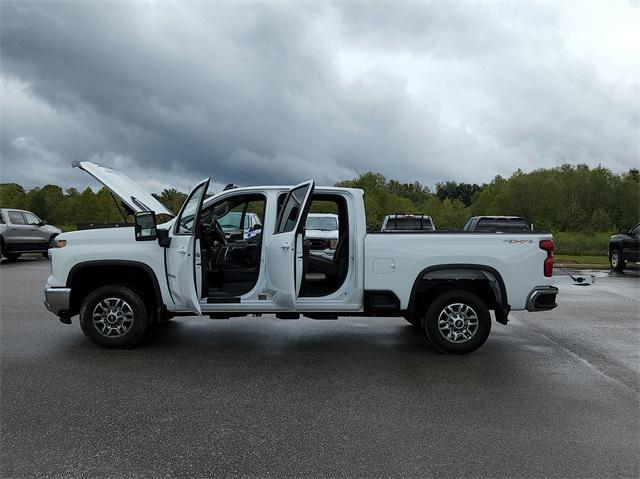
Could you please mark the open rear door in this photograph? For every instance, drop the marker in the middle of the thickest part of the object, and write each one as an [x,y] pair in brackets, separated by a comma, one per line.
[284,252]
[184,264]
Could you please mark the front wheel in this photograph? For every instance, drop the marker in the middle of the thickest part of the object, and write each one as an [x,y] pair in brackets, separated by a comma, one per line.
[616,261]
[113,316]
[457,322]
[12,256]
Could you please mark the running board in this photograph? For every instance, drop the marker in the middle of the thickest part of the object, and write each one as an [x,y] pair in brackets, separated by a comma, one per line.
[222,299]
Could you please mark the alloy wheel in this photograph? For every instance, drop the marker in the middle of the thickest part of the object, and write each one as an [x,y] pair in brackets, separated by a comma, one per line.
[458,322]
[113,317]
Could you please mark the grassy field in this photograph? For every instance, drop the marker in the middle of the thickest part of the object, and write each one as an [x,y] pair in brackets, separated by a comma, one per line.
[580,244]
[581,259]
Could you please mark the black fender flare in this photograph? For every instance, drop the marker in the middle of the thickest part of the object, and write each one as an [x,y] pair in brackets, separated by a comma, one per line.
[135,264]
[491,274]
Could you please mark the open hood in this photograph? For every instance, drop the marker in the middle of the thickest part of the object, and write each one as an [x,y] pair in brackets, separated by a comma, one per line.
[124,188]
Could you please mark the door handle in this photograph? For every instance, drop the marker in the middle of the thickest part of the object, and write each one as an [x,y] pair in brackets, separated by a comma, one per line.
[286,245]
[182,250]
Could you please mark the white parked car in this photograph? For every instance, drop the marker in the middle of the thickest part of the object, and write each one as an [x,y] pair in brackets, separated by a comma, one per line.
[321,231]
[120,280]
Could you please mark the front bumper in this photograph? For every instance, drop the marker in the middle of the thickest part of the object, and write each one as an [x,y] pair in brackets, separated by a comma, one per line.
[57,300]
[542,298]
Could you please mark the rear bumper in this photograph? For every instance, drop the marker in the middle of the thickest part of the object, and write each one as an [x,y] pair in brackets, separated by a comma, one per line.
[542,298]
[56,300]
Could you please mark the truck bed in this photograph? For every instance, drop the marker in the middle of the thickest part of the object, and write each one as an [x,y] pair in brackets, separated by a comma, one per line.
[516,258]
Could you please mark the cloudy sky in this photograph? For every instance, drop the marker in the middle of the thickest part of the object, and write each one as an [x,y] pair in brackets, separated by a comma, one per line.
[170,92]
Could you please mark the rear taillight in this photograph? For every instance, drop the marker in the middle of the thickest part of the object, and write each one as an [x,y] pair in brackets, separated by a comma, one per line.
[547,245]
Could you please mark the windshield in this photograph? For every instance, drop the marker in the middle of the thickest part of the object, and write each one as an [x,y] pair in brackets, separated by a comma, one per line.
[322,223]
[409,224]
[231,221]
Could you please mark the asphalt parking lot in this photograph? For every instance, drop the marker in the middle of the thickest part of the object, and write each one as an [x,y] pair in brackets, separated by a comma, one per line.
[553,394]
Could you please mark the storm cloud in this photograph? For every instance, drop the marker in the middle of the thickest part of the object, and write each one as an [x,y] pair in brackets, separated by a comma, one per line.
[277,93]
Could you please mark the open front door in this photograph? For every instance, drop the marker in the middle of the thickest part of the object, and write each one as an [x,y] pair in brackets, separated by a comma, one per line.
[284,252]
[184,265]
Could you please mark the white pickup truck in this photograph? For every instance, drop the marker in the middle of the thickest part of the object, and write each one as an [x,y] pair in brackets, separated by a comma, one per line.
[122,280]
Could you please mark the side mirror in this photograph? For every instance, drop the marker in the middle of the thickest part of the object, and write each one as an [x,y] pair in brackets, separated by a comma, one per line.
[256,227]
[42,222]
[145,226]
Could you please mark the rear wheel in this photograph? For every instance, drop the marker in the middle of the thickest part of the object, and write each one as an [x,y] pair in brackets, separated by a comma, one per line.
[616,261]
[457,322]
[113,316]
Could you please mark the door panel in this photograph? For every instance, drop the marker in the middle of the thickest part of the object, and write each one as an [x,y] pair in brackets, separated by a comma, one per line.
[631,245]
[284,272]
[37,233]
[280,260]
[19,231]
[184,266]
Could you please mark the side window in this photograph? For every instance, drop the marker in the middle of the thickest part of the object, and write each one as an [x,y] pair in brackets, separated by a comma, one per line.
[636,230]
[292,208]
[16,218]
[31,218]
[486,224]
[235,211]
[186,221]
[518,225]
[502,224]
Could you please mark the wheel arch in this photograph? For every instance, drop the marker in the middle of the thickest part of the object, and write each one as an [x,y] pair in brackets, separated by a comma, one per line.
[86,276]
[463,275]
[615,245]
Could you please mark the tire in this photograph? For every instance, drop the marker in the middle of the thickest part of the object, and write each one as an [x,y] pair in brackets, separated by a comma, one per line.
[12,256]
[1,248]
[45,254]
[616,261]
[121,317]
[452,317]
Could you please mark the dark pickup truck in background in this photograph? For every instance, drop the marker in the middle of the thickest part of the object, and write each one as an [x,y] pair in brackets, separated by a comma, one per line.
[624,247]
[497,224]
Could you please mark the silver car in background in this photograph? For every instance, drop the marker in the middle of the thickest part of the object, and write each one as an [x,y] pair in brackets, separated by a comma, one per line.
[23,232]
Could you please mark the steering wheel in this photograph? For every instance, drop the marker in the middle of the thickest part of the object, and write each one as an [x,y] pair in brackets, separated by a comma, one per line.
[217,232]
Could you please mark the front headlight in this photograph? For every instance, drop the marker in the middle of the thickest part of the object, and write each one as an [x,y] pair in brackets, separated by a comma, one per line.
[60,243]
[333,243]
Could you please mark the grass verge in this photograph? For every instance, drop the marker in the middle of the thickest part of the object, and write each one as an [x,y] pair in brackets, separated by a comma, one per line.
[581,260]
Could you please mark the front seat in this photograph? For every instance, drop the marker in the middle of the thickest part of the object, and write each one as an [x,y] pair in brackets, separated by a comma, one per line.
[335,267]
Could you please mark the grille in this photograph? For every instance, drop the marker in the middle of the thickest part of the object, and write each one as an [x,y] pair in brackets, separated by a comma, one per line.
[319,244]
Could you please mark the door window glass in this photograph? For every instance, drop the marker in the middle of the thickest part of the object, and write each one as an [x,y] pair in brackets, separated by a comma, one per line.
[187,218]
[31,218]
[292,209]
[16,218]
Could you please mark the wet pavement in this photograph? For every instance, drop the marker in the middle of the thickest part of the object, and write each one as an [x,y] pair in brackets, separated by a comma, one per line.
[551,394]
